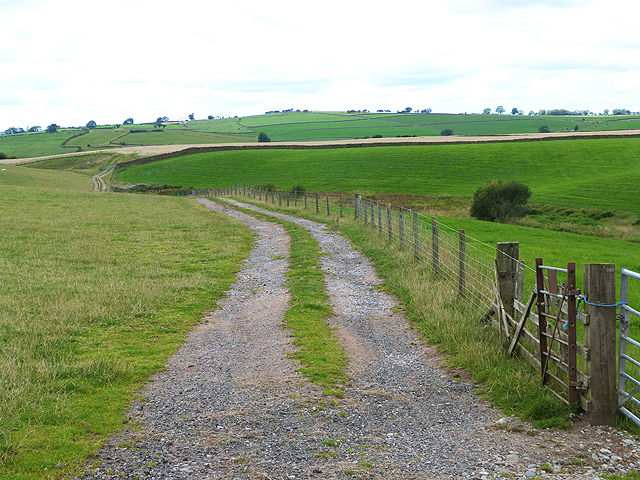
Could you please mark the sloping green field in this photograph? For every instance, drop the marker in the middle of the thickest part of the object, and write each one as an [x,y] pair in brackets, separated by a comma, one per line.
[96,291]
[597,173]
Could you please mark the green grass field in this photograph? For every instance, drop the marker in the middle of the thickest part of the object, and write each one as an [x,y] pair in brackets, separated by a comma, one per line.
[598,173]
[303,126]
[96,291]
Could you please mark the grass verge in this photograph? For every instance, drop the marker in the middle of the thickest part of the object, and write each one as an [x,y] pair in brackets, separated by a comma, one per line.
[323,359]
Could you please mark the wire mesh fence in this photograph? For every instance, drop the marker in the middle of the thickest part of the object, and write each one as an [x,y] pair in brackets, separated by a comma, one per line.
[466,263]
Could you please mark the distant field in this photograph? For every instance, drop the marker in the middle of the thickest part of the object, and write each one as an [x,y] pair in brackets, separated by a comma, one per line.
[303,126]
[598,173]
[36,144]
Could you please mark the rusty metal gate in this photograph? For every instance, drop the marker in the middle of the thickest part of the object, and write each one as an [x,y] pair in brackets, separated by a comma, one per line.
[557,312]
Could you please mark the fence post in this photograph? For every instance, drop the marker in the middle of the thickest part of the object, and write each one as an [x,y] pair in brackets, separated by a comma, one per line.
[389,223]
[508,259]
[305,200]
[373,217]
[365,212]
[355,207]
[600,338]
[328,211]
[317,204]
[435,245]
[341,209]
[379,219]
[401,228]
[462,261]
[416,238]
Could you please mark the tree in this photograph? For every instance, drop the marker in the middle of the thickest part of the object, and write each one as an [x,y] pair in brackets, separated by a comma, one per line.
[514,111]
[575,129]
[210,117]
[53,128]
[192,116]
[606,111]
[446,132]
[500,201]
[128,121]
[500,109]
[544,129]
[35,128]
[91,124]
[531,112]
[486,111]
[263,137]
[407,110]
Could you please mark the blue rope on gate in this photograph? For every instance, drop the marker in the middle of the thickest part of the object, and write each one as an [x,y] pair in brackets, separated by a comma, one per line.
[595,304]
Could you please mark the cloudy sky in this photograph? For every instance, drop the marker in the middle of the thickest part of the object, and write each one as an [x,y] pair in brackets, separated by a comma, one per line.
[71,61]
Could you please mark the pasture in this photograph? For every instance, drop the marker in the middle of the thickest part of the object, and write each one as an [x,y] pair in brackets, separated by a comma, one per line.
[97,291]
[595,173]
[301,126]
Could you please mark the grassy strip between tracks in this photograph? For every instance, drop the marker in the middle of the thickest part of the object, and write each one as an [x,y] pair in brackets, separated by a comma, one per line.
[468,347]
[96,291]
[323,359]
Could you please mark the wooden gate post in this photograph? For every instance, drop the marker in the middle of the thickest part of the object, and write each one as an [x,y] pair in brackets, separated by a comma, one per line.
[600,338]
[508,256]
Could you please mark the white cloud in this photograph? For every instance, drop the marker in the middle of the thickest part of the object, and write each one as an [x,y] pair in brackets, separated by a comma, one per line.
[74,61]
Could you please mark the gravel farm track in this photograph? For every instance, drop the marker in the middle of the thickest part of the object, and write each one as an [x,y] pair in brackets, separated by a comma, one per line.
[232,405]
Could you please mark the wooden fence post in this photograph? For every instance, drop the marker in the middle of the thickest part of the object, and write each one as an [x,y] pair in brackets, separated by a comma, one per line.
[508,258]
[435,245]
[356,206]
[379,219]
[328,211]
[317,204]
[341,206]
[416,238]
[600,337]
[462,262]
[373,218]
[389,223]
[401,228]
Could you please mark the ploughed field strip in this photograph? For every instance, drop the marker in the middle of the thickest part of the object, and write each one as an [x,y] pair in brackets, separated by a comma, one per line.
[232,406]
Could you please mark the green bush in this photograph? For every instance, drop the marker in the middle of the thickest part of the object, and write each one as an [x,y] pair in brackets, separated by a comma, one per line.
[263,137]
[500,201]
[446,132]
[544,129]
